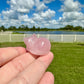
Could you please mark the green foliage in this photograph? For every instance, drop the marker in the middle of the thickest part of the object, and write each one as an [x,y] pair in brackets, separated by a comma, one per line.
[2,28]
[26,28]
[12,28]
[70,27]
[78,28]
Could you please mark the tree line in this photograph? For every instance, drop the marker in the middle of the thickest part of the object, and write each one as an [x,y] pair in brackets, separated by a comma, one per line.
[71,27]
[26,28]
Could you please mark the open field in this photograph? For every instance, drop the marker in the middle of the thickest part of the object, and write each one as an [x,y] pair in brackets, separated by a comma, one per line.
[68,63]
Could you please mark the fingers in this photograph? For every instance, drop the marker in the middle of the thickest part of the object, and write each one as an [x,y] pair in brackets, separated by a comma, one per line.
[35,71]
[6,54]
[48,78]
[13,68]
[21,50]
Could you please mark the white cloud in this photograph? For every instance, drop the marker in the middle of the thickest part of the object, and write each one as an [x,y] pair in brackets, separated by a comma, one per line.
[70,16]
[21,6]
[74,23]
[53,22]
[44,15]
[11,14]
[71,5]
[71,13]
[48,1]
[40,5]
[37,17]
[23,17]
[17,14]
[44,19]
[48,14]
[10,22]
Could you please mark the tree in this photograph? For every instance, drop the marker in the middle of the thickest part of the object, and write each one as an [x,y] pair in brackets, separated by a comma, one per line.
[2,28]
[38,28]
[78,28]
[12,28]
[33,28]
[26,28]
[68,27]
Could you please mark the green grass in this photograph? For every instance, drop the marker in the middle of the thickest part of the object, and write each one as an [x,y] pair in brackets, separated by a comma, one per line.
[68,63]
[17,33]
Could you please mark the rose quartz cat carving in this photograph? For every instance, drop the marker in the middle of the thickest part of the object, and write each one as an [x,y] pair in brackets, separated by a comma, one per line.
[37,46]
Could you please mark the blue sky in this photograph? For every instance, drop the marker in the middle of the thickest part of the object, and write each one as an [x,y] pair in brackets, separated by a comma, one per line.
[42,13]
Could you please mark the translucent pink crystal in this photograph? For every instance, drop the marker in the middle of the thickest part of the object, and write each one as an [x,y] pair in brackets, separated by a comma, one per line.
[37,46]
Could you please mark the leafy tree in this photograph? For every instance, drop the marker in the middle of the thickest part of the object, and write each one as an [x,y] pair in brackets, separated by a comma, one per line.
[68,27]
[2,28]
[12,28]
[78,28]
[33,28]
[38,29]
[26,28]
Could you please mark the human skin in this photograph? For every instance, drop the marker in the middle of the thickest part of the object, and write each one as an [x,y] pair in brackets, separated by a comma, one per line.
[21,67]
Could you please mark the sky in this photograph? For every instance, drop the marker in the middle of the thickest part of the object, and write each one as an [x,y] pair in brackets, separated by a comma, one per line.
[42,13]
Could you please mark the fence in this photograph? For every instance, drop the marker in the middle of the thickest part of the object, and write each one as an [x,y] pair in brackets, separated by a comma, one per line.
[52,37]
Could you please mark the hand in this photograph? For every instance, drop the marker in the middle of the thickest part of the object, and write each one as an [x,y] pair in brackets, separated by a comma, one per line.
[21,67]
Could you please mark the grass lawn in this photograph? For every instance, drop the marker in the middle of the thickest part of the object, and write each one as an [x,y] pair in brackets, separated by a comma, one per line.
[68,63]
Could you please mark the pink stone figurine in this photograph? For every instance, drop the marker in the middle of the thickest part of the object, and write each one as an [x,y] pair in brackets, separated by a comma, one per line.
[37,46]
